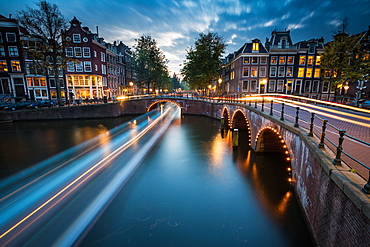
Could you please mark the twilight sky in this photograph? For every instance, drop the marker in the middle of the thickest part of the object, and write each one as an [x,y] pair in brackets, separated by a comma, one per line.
[176,24]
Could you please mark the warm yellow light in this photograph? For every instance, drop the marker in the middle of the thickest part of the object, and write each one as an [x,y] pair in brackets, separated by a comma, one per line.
[131,83]
[219,80]
[288,159]
[289,169]
[286,152]
[346,87]
[290,180]
[209,86]
[263,81]
[122,97]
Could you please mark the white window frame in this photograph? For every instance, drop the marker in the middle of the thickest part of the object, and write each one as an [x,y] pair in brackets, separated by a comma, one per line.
[19,65]
[7,37]
[280,86]
[70,67]
[272,85]
[287,70]
[69,51]
[87,66]
[79,67]
[245,86]
[262,71]
[281,71]
[273,68]
[76,38]
[15,51]
[86,52]
[78,51]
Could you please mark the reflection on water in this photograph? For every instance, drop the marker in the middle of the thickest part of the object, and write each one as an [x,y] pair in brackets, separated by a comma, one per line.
[193,190]
[26,143]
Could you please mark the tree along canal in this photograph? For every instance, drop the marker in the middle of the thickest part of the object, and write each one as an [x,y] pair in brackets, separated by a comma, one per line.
[191,190]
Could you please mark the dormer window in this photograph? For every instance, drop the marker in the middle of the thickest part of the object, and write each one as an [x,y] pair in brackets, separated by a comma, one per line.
[312,48]
[255,47]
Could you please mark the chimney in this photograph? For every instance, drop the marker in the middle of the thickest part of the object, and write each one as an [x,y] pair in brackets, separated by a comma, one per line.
[97,31]
[10,16]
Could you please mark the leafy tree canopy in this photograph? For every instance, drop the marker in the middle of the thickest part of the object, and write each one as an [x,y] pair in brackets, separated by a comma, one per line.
[150,65]
[202,62]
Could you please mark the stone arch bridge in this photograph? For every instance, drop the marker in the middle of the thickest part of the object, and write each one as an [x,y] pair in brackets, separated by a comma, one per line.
[334,205]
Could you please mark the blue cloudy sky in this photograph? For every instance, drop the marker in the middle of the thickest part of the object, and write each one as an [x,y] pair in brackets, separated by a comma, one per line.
[176,24]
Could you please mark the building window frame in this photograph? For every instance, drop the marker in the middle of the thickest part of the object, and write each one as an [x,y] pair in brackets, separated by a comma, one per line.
[11,37]
[272,85]
[16,65]
[76,38]
[13,51]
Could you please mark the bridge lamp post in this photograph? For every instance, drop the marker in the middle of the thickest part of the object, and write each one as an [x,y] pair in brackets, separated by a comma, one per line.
[131,87]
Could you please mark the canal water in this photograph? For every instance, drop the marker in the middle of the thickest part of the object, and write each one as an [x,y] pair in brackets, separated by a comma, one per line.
[191,190]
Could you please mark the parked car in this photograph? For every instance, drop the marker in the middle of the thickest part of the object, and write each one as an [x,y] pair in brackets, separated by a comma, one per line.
[362,103]
[42,103]
[18,105]
[5,104]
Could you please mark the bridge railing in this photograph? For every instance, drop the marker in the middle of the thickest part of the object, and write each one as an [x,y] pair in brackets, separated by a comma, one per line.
[329,135]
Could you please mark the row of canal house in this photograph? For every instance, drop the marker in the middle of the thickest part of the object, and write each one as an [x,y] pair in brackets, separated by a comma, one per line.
[278,66]
[98,69]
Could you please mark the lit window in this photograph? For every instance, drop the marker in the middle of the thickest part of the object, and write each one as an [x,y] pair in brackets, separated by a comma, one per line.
[317,73]
[289,71]
[309,72]
[254,72]
[302,60]
[86,51]
[254,60]
[10,37]
[318,60]
[2,51]
[76,38]
[3,66]
[282,60]
[78,52]
[13,51]
[246,60]
[246,71]
[255,47]
[232,75]
[273,60]
[87,66]
[69,52]
[290,60]
[301,72]
[310,60]
[16,66]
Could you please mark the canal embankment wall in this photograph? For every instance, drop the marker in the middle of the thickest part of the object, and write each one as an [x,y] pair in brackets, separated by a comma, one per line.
[337,211]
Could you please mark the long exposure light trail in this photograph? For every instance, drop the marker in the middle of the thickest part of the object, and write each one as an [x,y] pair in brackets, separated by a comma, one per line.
[321,112]
[87,174]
